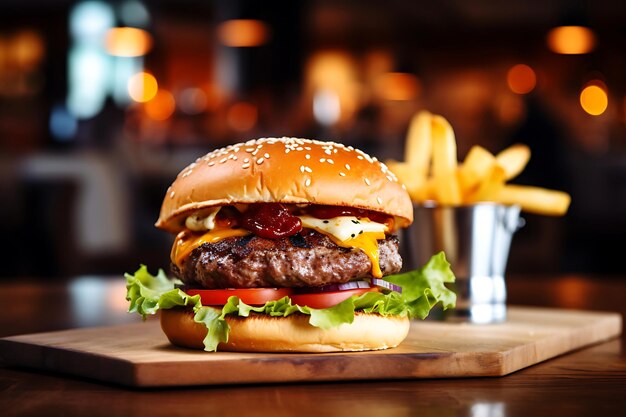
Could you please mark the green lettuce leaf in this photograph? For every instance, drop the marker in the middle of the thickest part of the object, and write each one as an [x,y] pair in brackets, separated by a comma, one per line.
[217,328]
[421,290]
[425,287]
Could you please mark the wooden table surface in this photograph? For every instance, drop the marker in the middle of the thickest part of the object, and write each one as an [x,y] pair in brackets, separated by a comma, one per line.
[588,382]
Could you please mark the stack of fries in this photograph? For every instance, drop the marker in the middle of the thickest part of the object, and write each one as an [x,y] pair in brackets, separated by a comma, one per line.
[431,172]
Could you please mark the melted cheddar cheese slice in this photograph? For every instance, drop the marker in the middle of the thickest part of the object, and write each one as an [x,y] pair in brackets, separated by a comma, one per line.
[186,242]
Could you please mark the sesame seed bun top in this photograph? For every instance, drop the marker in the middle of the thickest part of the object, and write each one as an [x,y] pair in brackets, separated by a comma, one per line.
[285,170]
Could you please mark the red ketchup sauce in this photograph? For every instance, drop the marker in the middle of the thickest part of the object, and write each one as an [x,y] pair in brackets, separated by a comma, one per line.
[270,221]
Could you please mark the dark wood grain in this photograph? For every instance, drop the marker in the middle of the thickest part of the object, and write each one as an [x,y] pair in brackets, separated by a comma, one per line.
[587,382]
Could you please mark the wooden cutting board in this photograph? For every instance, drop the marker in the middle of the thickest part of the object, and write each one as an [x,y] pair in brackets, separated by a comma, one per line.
[140,355]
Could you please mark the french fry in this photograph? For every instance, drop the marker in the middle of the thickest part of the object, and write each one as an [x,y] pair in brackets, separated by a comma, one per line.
[444,163]
[534,199]
[513,159]
[477,166]
[414,183]
[418,145]
[489,186]
[431,149]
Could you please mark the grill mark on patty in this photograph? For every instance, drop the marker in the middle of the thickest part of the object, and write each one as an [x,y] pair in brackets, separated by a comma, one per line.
[244,240]
[311,259]
[298,241]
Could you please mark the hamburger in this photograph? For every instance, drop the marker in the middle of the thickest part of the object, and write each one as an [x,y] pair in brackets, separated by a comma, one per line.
[287,245]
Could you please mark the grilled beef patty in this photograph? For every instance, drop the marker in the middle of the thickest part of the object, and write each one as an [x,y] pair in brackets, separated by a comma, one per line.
[306,259]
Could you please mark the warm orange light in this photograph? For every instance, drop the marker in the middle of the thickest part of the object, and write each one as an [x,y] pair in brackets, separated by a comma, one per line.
[243,33]
[571,40]
[242,116]
[594,100]
[332,82]
[511,109]
[521,79]
[129,42]
[162,106]
[572,292]
[397,86]
[142,87]
[27,49]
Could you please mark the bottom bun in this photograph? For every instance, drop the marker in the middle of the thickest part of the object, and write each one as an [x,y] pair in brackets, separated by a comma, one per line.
[261,333]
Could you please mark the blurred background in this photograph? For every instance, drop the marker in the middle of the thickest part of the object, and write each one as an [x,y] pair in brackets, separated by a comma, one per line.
[102,102]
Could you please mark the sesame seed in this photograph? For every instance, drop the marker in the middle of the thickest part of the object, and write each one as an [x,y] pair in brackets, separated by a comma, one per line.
[223,160]
[330,161]
[308,148]
[359,157]
[249,149]
[348,167]
[307,182]
[246,160]
[389,178]
[380,200]
[302,168]
[328,152]
[307,169]
[211,163]
[256,151]
[307,156]
[403,187]
[322,160]
[244,166]
[367,181]
[267,155]
[260,161]
[287,150]
[234,157]
[172,194]
[343,174]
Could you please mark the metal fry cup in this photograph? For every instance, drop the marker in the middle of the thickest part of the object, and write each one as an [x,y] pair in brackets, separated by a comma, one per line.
[476,240]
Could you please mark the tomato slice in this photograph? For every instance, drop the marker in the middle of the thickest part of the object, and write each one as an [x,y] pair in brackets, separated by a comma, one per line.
[326,299]
[251,296]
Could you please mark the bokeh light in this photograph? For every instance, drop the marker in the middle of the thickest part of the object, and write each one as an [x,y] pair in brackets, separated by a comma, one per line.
[127,42]
[397,86]
[27,49]
[63,125]
[332,82]
[326,107]
[242,33]
[162,106]
[521,79]
[142,87]
[571,40]
[134,13]
[242,116]
[594,100]
[89,20]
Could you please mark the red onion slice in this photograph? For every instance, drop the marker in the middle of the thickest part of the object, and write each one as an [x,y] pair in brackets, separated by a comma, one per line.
[386,284]
[352,285]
